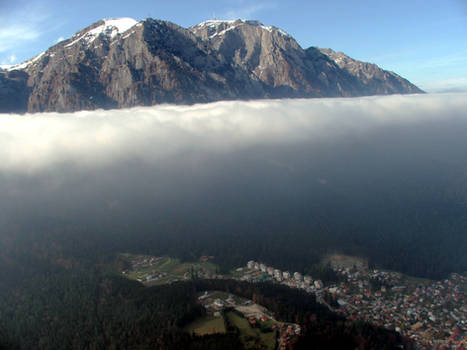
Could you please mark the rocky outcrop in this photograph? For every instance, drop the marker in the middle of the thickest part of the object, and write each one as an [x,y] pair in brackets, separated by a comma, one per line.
[14,92]
[372,79]
[123,63]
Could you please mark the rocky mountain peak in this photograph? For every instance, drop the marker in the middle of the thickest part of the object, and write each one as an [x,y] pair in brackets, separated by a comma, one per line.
[217,28]
[117,63]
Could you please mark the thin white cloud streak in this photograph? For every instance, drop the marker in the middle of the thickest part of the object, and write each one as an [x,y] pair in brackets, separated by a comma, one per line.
[23,24]
[245,11]
[34,143]
[11,37]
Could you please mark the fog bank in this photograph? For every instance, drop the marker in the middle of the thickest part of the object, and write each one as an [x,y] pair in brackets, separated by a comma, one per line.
[37,142]
[345,172]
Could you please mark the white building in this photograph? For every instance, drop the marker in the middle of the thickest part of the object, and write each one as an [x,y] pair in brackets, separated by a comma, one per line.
[262,267]
[318,284]
[286,275]
[297,276]
[251,264]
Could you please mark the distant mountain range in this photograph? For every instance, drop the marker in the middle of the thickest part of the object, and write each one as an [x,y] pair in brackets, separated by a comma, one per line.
[117,63]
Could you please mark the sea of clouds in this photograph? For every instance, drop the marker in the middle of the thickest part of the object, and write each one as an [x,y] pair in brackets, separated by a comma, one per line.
[339,160]
[33,143]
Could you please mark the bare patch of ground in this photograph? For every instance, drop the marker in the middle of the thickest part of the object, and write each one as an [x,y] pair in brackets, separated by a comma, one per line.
[343,261]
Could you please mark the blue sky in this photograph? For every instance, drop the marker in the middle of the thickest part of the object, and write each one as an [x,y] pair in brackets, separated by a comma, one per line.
[423,41]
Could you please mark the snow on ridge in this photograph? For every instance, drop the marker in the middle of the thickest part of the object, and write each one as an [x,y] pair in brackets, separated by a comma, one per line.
[24,64]
[122,24]
[111,27]
[222,32]
[214,24]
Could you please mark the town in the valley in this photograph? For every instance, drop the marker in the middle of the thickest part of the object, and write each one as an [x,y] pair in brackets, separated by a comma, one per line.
[432,313]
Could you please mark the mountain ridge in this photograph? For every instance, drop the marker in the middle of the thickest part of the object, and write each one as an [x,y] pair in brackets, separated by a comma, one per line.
[119,63]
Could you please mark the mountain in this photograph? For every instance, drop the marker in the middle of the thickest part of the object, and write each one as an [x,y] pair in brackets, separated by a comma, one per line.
[116,63]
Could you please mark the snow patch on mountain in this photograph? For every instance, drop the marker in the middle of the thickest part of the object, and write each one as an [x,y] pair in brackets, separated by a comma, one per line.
[111,28]
[216,27]
[25,64]
[214,23]
[222,32]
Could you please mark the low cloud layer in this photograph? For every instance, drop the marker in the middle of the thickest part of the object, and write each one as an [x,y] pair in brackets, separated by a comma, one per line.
[355,171]
[34,143]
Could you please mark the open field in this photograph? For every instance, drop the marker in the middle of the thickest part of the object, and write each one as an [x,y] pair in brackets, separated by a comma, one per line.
[241,323]
[207,325]
[252,310]
[344,261]
[251,336]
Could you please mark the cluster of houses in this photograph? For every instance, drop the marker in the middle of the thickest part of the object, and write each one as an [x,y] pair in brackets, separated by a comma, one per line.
[433,314]
[287,335]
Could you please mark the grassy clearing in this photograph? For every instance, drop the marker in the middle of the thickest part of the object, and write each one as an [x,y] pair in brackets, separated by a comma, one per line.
[251,336]
[342,260]
[207,325]
[268,339]
[219,295]
[167,264]
[241,323]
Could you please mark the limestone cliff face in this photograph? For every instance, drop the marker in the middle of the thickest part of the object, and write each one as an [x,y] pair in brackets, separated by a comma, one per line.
[14,92]
[123,63]
[372,79]
[274,58]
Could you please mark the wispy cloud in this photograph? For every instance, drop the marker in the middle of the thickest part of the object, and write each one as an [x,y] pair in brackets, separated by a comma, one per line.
[246,10]
[10,60]
[17,34]
[22,24]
